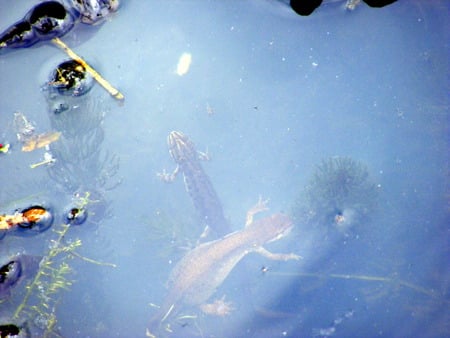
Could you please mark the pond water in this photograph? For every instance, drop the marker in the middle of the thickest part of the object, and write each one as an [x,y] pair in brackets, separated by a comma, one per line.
[339,119]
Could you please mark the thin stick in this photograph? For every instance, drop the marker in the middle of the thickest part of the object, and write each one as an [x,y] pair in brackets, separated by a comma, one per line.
[431,293]
[93,261]
[105,84]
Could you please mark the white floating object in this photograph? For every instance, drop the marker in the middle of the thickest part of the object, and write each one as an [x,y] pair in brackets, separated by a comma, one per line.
[184,63]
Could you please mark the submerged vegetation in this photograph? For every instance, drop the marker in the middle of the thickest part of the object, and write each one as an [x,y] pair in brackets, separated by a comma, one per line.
[80,146]
[39,305]
[171,233]
[339,193]
[80,162]
[41,297]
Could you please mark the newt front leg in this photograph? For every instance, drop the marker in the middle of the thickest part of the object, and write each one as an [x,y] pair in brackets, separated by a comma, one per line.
[166,177]
[260,206]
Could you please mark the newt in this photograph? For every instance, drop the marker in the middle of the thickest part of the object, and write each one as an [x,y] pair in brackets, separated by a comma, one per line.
[202,270]
[197,183]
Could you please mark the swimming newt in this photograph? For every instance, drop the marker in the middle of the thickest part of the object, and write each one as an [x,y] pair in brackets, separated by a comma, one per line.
[203,269]
[197,183]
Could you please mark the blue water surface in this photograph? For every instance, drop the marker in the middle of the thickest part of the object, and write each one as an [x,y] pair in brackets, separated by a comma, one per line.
[268,96]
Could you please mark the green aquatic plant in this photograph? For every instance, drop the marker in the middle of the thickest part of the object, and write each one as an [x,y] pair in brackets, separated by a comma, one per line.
[43,293]
[171,232]
[98,167]
[83,115]
[80,159]
[41,297]
[339,193]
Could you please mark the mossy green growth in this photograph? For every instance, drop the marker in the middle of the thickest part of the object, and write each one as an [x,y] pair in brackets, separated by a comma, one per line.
[340,192]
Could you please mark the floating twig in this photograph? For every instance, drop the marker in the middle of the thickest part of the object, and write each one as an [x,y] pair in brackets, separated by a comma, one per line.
[93,261]
[105,84]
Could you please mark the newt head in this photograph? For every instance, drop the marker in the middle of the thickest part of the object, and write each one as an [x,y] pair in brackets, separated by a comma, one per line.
[181,148]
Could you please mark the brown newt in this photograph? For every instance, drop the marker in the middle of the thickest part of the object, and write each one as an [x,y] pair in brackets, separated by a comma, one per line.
[197,182]
[203,269]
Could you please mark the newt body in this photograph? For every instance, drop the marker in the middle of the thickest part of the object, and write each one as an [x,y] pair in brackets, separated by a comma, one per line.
[203,269]
[197,183]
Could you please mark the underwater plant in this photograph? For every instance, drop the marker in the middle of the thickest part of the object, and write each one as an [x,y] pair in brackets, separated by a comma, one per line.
[39,304]
[170,232]
[41,297]
[340,193]
[80,160]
